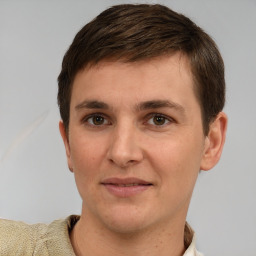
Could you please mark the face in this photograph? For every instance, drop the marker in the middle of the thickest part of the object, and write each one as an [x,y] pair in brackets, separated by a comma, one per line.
[135,142]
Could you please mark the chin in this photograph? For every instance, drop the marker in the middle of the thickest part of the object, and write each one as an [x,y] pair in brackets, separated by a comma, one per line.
[127,221]
[127,226]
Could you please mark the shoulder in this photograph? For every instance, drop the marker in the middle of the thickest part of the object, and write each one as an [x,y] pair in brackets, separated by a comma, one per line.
[18,238]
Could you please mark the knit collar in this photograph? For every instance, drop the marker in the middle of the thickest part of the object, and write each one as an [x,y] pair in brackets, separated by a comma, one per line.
[59,243]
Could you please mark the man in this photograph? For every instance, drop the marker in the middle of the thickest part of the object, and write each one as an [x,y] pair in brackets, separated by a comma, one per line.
[141,93]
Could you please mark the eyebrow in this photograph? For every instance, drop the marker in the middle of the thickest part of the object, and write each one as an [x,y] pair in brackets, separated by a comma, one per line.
[146,105]
[92,104]
[154,104]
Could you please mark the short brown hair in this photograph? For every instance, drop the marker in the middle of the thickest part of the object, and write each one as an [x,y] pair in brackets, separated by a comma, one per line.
[138,32]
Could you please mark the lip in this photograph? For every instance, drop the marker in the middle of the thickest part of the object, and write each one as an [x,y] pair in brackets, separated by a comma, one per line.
[126,187]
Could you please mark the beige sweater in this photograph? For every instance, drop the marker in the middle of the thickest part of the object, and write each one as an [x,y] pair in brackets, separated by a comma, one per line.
[20,239]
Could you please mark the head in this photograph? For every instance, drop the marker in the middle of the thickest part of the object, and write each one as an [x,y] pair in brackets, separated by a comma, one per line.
[140,95]
[134,33]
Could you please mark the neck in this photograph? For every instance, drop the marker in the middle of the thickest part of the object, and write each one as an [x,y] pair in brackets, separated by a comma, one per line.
[94,240]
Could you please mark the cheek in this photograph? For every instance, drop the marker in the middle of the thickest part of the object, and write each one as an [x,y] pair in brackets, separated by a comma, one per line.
[87,157]
[177,162]
[86,151]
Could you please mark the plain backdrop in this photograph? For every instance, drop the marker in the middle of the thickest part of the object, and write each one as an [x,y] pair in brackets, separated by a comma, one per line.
[35,183]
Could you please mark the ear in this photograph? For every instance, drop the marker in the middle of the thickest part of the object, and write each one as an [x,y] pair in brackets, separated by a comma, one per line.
[214,142]
[66,144]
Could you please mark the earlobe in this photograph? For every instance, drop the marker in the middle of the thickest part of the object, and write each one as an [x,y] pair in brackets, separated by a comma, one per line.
[214,142]
[66,144]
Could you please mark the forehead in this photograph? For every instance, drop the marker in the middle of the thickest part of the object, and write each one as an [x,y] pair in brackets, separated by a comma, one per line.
[161,77]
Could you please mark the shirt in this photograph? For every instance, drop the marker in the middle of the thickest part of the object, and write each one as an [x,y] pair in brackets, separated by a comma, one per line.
[20,239]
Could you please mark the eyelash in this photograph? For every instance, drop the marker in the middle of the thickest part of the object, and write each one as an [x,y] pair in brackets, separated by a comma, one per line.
[86,119]
[167,120]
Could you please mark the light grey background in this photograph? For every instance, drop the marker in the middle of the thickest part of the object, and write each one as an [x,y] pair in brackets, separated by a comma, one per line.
[35,184]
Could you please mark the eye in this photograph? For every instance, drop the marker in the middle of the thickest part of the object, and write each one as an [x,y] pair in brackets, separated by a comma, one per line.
[96,120]
[159,120]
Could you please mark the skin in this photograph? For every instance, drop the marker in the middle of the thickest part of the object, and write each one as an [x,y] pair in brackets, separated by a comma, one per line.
[161,143]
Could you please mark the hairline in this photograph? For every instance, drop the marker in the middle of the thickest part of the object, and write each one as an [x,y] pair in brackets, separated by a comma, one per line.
[127,59]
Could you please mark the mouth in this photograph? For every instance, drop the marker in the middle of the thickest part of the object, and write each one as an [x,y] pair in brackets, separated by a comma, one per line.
[129,185]
[125,187]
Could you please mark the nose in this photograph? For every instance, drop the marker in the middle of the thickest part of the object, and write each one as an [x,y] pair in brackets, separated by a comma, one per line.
[125,149]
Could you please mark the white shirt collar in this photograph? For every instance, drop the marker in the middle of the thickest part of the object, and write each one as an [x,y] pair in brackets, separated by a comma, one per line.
[191,250]
[190,242]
